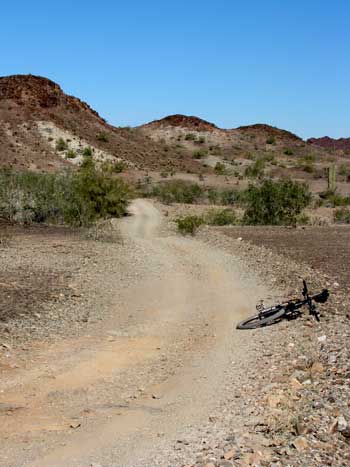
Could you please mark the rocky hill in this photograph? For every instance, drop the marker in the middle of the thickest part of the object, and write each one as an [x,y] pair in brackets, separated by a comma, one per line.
[341,144]
[194,133]
[36,116]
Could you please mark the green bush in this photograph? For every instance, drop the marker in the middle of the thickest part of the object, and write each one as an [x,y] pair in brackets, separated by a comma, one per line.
[177,191]
[337,200]
[102,137]
[308,168]
[270,140]
[220,217]
[189,224]
[288,152]
[275,203]
[75,198]
[342,216]
[220,169]
[71,154]
[201,140]
[344,170]
[87,152]
[256,170]
[61,145]
[118,167]
[227,197]
[200,154]
[190,137]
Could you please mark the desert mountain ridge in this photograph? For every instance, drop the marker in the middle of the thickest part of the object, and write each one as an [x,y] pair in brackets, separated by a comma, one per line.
[339,144]
[36,114]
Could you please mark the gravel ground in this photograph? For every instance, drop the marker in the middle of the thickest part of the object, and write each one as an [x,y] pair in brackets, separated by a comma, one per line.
[283,400]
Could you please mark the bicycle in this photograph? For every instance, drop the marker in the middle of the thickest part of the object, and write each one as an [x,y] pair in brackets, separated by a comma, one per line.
[287,310]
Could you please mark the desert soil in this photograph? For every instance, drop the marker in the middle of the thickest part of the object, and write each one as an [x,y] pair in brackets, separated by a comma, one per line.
[125,353]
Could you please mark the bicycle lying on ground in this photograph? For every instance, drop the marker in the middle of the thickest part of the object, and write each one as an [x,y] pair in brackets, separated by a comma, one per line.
[287,310]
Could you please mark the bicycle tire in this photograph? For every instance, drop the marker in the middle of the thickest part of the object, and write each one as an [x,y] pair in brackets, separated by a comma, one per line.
[255,322]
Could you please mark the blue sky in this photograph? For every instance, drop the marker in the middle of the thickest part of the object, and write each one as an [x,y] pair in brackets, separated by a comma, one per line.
[286,63]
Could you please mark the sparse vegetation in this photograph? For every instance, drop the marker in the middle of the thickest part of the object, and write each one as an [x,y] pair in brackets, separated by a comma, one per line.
[78,198]
[221,169]
[270,140]
[70,154]
[256,170]
[344,170]
[190,137]
[116,167]
[220,217]
[288,152]
[227,197]
[61,145]
[342,216]
[177,191]
[87,152]
[275,203]
[200,154]
[336,200]
[102,137]
[189,224]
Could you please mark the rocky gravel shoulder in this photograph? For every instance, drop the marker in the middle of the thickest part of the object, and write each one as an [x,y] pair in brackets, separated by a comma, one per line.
[299,385]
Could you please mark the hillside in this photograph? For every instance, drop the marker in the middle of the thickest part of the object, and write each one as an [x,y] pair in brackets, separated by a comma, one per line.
[340,144]
[35,113]
[194,132]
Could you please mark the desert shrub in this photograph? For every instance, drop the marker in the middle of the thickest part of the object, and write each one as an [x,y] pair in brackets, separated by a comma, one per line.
[190,137]
[270,140]
[177,191]
[227,197]
[113,167]
[308,168]
[199,154]
[309,158]
[75,198]
[102,137]
[201,140]
[118,167]
[268,157]
[342,216]
[220,169]
[87,152]
[275,203]
[189,224]
[256,170]
[71,154]
[288,152]
[220,217]
[61,145]
[344,170]
[337,200]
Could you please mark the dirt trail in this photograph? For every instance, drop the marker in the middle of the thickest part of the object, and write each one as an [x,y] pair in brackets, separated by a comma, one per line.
[117,395]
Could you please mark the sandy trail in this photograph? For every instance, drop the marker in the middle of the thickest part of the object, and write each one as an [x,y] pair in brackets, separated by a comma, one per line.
[113,397]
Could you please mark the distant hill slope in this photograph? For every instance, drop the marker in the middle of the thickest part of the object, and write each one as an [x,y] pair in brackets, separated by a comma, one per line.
[341,144]
[182,121]
[193,133]
[35,113]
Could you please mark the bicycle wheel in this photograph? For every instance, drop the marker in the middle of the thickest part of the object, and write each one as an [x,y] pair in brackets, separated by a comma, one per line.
[270,316]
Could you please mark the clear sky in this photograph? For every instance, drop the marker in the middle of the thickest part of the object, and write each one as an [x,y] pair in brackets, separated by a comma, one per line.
[232,62]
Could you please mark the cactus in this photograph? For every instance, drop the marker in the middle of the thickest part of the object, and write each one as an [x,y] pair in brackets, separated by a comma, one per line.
[332,178]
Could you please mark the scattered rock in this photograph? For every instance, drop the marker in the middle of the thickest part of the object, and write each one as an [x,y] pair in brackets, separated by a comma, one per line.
[300,444]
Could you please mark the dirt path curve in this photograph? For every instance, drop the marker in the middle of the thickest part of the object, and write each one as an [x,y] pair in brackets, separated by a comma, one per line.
[116,396]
